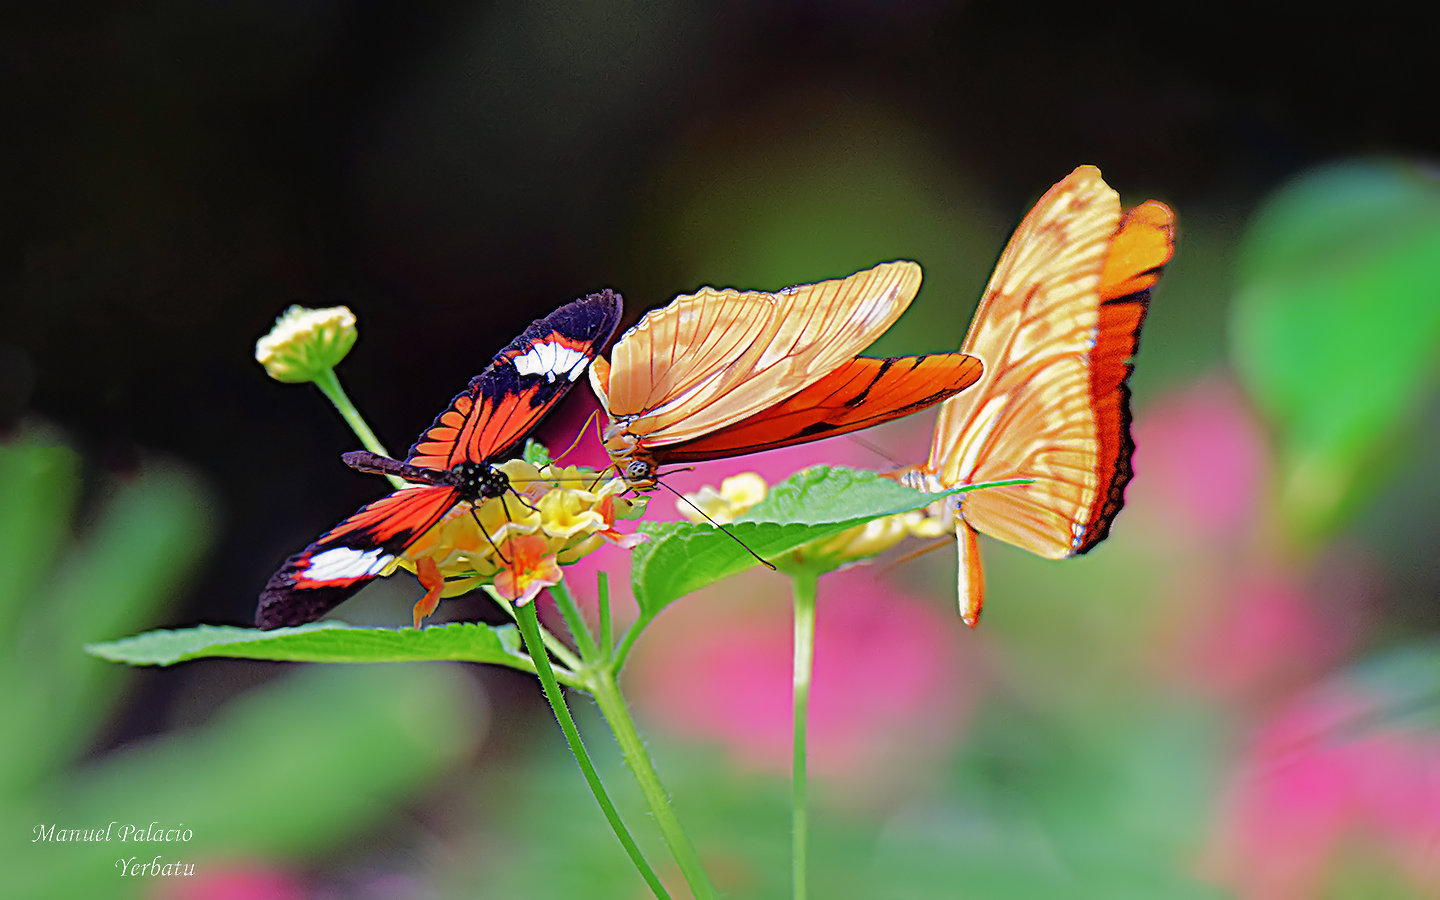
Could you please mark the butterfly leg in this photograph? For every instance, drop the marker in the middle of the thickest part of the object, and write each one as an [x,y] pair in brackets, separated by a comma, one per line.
[523,502]
[433,582]
[594,417]
[600,475]
[493,546]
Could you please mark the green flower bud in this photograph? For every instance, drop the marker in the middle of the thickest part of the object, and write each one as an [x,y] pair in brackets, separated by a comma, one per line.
[305,343]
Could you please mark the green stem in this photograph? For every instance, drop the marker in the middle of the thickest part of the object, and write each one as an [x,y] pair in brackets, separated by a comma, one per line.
[552,643]
[628,641]
[606,692]
[602,594]
[804,584]
[527,665]
[570,612]
[329,385]
[530,631]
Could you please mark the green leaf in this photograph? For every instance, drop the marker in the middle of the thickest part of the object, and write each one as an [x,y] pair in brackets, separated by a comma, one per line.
[329,642]
[1336,329]
[823,494]
[815,503]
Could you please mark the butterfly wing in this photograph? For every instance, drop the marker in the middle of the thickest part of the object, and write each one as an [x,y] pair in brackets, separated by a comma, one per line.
[1056,328]
[711,359]
[347,557]
[499,407]
[520,385]
[859,394]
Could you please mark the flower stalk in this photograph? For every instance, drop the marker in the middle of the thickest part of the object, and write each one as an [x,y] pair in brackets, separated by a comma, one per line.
[530,633]
[606,691]
[803,584]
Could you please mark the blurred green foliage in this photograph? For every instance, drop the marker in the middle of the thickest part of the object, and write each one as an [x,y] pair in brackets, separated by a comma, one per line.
[1336,329]
[1011,819]
[287,772]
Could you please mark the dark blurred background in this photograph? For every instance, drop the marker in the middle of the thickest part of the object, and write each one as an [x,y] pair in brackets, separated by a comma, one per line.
[176,174]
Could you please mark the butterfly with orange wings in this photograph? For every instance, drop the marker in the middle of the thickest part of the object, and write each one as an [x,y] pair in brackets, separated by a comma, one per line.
[1057,327]
[451,463]
[721,373]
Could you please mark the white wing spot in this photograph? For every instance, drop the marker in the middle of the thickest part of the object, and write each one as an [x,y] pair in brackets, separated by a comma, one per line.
[347,562]
[552,360]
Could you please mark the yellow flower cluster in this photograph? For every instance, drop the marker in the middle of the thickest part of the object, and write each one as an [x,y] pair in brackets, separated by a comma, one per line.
[306,342]
[566,513]
[740,492]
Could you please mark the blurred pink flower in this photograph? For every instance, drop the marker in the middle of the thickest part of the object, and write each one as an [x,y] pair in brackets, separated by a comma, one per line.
[231,882]
[889,689]
[1326,782]
[1200,463]
[1258,636]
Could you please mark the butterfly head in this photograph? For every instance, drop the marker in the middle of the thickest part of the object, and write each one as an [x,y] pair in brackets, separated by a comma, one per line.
[634,462]
[639,474]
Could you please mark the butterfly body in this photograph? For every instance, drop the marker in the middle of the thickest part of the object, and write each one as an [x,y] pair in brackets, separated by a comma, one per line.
[1056,328]
[721,373]
[451,464]
[472,480]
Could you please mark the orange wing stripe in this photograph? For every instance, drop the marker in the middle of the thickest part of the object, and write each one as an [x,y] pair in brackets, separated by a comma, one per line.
[859,394]
[511,416]
[1143,245]
[405,514]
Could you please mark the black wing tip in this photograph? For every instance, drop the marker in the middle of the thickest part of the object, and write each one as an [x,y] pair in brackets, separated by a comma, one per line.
[608,297]
[612,307]
[285,606]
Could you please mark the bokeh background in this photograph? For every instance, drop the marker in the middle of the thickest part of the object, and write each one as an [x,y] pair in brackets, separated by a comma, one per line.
[1235,695]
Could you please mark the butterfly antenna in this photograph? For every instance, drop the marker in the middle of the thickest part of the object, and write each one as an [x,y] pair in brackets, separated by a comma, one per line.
[555,479]
[594,417]
[763,561]
[877,450]
[916,554]
[493,546]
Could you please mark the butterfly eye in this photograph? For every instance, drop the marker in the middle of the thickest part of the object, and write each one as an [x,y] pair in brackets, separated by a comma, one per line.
[638,470]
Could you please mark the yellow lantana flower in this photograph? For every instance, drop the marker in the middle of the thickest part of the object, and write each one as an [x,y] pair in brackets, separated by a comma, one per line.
[517,543]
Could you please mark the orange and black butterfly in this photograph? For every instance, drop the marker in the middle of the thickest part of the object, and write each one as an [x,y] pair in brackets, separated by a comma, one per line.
[721,373]
[451,463]
[1057,327]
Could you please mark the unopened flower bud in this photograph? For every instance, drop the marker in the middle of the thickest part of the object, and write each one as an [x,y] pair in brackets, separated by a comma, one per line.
[305,343]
